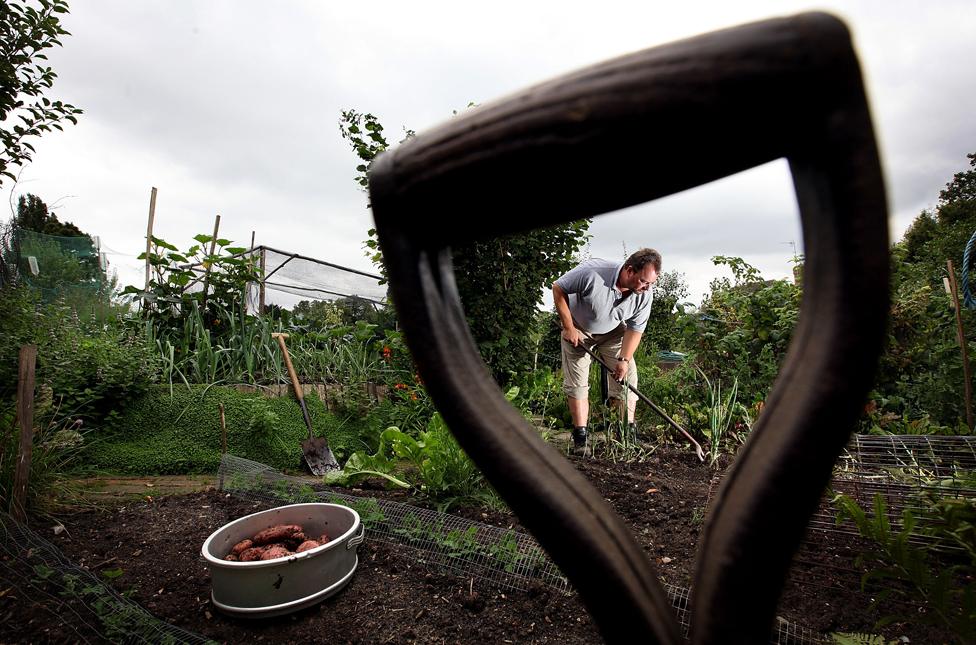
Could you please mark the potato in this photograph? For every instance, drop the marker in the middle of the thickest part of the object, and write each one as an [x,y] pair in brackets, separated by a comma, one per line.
[307,545]
[275,551]
[252,554]
[277,533]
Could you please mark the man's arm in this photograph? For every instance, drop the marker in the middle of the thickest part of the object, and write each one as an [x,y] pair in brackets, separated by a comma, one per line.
[561,300]
[627,348]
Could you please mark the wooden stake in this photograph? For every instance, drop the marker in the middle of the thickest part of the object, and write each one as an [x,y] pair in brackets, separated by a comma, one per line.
[247,288]
[961,337]
[206,273]
[264,259]
[223,443]
[25,414]
[149,231]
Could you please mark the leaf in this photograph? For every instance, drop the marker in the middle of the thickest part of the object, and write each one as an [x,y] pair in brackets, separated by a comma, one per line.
[163,244]
[111,574]
[203,238]
[361,466]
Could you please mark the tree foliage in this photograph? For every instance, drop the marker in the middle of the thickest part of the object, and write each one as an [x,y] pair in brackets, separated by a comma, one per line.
[662,331]
[743,328]
[33,215]
[920,382]
[501,281]
[27,29]
[328,314]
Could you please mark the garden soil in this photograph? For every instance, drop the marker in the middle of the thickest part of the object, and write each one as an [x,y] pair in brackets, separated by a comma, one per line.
[155,541]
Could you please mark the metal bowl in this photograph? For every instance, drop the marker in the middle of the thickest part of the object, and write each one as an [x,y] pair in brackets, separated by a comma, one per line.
[274,587]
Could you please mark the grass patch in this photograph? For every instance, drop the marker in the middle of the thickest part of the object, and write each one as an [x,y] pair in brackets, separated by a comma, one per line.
[178,432]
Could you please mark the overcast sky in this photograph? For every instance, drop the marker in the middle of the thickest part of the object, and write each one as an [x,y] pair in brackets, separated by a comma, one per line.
[232,107]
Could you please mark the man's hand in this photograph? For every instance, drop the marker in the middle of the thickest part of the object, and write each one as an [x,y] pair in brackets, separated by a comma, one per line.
[572,336]
[620,371]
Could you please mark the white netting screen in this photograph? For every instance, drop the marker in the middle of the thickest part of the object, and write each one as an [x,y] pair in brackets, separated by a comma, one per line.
[290,278]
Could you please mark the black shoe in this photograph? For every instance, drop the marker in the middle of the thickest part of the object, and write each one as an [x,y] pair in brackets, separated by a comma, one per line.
[579,437]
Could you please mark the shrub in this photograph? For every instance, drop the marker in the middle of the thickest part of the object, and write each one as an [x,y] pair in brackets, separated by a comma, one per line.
[94,369]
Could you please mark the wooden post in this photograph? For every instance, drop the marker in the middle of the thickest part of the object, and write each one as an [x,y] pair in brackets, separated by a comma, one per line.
[25,414]
[961,337]
[247,288]
[206,271]
[264,259]
[223,443]
[149,230]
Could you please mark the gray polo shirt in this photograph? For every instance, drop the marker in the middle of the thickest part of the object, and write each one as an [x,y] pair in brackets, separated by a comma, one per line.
[597,305]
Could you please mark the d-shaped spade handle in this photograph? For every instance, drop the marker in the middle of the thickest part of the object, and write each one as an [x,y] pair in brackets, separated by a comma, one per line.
[617,134]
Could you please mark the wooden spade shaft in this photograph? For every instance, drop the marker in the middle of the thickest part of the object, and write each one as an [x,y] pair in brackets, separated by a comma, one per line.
[316,450]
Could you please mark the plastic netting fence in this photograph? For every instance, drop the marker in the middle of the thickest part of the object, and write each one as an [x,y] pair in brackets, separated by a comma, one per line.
[89,609]
[466,548]
[58,266]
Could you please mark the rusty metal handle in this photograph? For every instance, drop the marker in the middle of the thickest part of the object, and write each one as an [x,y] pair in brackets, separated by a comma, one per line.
[620,133]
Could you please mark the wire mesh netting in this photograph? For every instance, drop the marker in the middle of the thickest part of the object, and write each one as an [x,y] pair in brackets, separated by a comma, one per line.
[505,558]
[907,471]
[469,549]
[94,612]
[87,608]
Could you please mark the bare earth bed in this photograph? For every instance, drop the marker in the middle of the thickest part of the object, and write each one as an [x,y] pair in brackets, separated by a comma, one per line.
[393,599]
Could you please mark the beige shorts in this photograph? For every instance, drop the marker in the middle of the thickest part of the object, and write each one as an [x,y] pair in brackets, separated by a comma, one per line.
[576,363]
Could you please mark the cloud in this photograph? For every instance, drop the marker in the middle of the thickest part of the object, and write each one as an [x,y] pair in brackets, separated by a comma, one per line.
[233,108]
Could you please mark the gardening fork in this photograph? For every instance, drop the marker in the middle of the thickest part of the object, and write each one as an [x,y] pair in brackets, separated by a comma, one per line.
[669,118]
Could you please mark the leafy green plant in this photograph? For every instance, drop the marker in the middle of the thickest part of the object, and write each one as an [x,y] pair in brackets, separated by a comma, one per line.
[264,422]
[440,468]
[743,328]
[361,465]
[945,591]
[721,412]
[446,473]
[370,512]
[506,551]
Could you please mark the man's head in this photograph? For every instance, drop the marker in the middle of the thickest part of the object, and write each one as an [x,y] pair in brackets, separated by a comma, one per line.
[640,270]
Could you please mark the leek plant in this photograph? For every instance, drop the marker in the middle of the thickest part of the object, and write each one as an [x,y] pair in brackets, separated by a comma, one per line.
[721,412]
